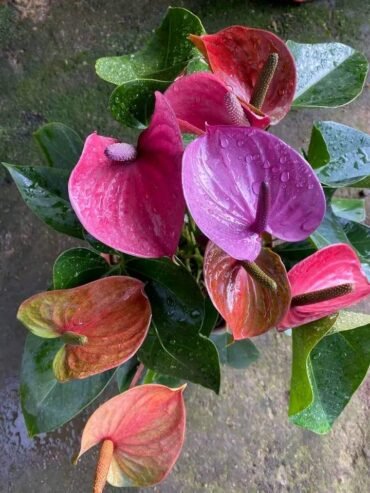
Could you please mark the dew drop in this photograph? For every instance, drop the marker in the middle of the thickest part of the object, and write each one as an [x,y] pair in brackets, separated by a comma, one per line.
[284,177]
[224,142]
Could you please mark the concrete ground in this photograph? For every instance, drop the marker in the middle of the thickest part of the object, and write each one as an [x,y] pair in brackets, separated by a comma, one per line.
[238,442]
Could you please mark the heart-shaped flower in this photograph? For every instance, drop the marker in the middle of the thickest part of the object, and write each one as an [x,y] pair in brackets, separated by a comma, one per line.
[249,306]
[255,65]
[131,198]
[323,283]
[141,432]
[240,182]
[102,323]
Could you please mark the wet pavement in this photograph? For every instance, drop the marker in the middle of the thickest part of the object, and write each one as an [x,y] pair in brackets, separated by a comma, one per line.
[240,441]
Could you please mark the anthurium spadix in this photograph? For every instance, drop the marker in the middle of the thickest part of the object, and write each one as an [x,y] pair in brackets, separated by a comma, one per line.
[141,433]
[323,283]
[130,198]
[241,181]
[255,65]
[102,324]
[248,304]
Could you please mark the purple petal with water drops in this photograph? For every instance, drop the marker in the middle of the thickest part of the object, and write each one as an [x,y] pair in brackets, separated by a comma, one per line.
[223,172]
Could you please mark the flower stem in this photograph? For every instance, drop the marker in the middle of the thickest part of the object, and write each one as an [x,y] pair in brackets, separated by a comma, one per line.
[264,81]
[139,372]
[102,468]
[257,273]
[321,295]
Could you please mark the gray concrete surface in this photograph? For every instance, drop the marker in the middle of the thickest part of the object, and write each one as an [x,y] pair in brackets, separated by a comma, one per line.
[238,442]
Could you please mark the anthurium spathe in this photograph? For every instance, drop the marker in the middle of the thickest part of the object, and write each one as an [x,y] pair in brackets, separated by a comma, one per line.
[249,306]
[323,283]
[201,98]
[102,323]
[255,65]
[240,182]
[130,198]
[141,432]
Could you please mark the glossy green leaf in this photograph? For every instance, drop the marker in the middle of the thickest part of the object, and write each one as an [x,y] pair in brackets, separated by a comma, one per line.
[132,103]
[350,209]
[98,246]
[210,319]
[46,403]
[340,155]
[237,354]
[60,145]
[359,237]
[329,74]
[329,364]
[174,345]
[44,190]
[291,253]
[197,64]
[330,230]
[155,377]
[165,55]
[78,266]
[125,373]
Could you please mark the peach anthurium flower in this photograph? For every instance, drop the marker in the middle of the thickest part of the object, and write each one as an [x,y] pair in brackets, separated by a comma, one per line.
[255,65]
[130,198]
[323,283]
[102,324]
[249,305]
[142,433]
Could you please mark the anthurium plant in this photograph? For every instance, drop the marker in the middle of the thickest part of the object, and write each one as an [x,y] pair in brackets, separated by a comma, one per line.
[200,236]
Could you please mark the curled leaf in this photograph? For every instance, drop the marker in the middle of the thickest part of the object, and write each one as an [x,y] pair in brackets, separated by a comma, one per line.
[147,426]
[103,324]
[249,307]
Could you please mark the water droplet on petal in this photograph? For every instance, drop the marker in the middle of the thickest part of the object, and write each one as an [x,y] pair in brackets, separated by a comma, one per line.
[284,177]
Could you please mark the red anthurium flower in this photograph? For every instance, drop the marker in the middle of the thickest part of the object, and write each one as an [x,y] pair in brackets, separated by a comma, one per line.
[255,65]
[102,323]
[323,283]
[131,198]
[202,98]
[249,305]
[240,182]
[141,432]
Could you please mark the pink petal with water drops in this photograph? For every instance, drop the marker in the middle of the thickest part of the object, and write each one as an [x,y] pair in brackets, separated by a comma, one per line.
[137,206]
[223,172]
[199,99]
[332,266]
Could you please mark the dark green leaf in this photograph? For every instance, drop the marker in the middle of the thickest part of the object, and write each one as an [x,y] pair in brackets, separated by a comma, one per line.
[154,377]
[97,245]
[165,55]
[330,359]
[330,230]
[237,354]
[340,154]
[350,209]
[197,64]
[46,403]
[132,103]
[291,253]
[125,374]
[78,266]
[210,317]
[174,345]
[329,74]
[359,237]
[60,145]
[45,192]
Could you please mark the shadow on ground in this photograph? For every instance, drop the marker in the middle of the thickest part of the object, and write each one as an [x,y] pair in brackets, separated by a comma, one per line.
[238,442]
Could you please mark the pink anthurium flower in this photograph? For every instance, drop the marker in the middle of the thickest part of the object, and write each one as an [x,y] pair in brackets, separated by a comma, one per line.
[142,433]
[131,198]
[240,182]
[201,98]
[249,306]
[255,65]
[323,283]
[102,324]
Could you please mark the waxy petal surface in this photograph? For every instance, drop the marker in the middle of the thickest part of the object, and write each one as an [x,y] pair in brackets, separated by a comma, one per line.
[136,207]
[331,266]
[222,175]
[237,55]
[248,307]
[113,313]
[201,98]
[147,427]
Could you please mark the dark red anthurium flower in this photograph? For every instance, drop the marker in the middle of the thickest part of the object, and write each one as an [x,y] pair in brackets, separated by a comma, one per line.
[250,301]
[130,198]
[141,433]
[323,283]
[255,65]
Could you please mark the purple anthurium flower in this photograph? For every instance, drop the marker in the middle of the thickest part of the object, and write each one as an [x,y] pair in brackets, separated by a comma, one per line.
[130,197]
[240,182]
[202,98]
